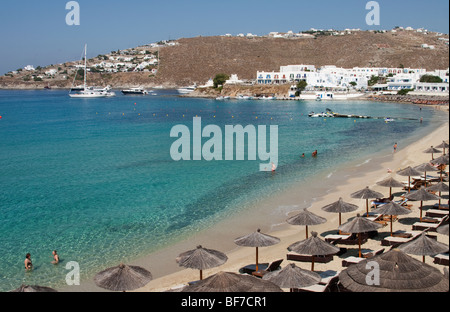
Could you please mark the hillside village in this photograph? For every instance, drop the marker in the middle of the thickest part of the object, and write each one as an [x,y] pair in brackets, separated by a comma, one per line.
[335,59]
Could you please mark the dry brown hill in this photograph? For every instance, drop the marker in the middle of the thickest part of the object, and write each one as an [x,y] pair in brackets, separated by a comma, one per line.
[195,60]
[201,58]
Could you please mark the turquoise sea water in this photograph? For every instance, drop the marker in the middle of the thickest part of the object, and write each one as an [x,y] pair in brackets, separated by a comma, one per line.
[94,178]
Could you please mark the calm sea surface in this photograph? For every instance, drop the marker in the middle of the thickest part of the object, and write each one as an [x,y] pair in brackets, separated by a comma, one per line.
[94,178]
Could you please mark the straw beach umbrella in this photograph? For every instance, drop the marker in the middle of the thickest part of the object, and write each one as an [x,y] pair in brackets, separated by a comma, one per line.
[33,288]
[306,218]
[398,272]
[232,282]
[390,183]
[443,230]
[441,162]
[314,246]
[340,207]
[426,167]
[201,259]
[422,195]
[123,278]
[409,172]
[444,145]
[423,246]
[293,277]
[432,151]
[358,226]
[366,194]
[440,187]
[257,240]
[392,209]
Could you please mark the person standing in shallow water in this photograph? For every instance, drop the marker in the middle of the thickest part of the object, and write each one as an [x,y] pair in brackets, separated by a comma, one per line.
[28,263]
[55,257]
[395,147]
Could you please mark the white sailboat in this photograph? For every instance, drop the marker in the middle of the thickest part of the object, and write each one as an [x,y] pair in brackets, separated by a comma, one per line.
[90,92]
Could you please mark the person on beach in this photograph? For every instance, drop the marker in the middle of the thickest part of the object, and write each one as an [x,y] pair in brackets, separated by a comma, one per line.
[314,154]
[28,263]
[395,147]
[55,257]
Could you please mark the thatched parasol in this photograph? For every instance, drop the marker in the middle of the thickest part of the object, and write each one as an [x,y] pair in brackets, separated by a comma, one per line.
[201,259]
[423,246]
[33,288]
[366,194]
[358,226]
[306,218]
[257,240]
[426,167]
[442,160]
[421,195]
[293,277]
[232,282]
[340,207]
[123,278]
[398,272]
[432,151]
[443,145]
[314,246]
[392,209]
[409,172]
[443,230]
[440,187]
[390,182]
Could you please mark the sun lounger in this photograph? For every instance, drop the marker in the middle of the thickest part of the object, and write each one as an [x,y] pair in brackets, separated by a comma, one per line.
[293,256]
[372,253]
[398,240]
[428,226]
[272,267]
[436,213]
[249,269]
[329,278]
[351,260]
[441,259]
[334,238]
[353,239]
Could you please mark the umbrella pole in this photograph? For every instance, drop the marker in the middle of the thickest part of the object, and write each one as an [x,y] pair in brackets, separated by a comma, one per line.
[312,264]
[201,275]
[390,192]
[340,220]
[392,220]
[367,206]
[423,259]
[409,184]
[306,232]
[359,243]
[257,259]
[421,203]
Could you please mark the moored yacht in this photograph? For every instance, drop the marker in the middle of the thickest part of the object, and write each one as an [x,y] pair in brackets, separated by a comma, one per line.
[135,91]
[89,92]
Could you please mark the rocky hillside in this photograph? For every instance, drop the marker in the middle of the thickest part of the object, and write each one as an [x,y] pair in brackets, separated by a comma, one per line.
[195,60]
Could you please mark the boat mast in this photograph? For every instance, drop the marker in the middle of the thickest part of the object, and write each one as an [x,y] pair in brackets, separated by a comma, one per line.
[85,63]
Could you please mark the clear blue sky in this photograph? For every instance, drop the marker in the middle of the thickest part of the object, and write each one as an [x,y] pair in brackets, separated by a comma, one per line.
[35,32]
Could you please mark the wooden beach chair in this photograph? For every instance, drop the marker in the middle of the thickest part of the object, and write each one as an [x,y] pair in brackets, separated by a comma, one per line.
[395,241]
[274,266]
[293,256]
[441,259]
[436,213]
[329,280]
[249,269]
[429,225]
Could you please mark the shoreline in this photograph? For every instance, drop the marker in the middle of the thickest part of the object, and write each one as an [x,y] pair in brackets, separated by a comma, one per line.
[343,181]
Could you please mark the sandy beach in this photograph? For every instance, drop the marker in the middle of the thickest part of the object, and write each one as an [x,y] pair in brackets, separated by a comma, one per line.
[270,216]
[168,275]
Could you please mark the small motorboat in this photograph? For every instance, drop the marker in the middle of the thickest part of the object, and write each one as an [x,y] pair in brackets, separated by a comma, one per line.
[388,119]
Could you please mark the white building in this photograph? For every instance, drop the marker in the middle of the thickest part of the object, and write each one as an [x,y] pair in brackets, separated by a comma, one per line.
[29,68]
[234,80]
